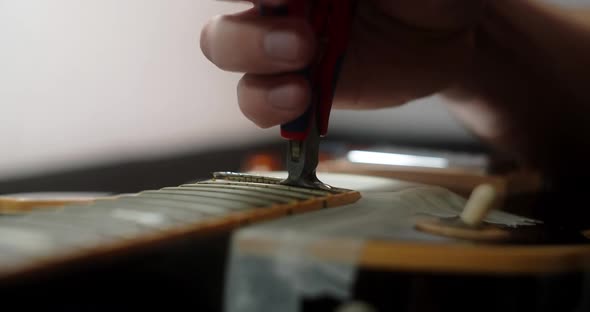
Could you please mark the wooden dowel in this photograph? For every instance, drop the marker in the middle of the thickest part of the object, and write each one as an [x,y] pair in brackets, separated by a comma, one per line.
[482,200]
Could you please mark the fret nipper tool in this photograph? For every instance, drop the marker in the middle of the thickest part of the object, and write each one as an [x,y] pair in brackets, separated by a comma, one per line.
[331,21]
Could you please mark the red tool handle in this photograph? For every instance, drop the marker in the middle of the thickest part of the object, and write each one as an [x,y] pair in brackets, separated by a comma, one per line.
[331,21]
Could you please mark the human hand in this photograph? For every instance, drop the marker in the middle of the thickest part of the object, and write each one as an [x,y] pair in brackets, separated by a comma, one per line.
[516,70]
[399,50]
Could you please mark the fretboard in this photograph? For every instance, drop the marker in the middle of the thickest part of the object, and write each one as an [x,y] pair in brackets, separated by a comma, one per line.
[51,236]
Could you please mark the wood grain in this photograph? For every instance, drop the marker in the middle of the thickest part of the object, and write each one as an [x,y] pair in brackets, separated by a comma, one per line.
[10,205]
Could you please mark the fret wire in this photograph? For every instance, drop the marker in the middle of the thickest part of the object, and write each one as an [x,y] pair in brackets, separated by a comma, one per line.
[176,214]
[88,213]
[270,186]
[24,242]
[205,209]
[53,231]
[98,222]
[217,202]
[92,208]
[10,257]
[262,180]
[213,195]
[66,228]
[60,235]
[109,213]
[244,177]
[258,192]
[248,197]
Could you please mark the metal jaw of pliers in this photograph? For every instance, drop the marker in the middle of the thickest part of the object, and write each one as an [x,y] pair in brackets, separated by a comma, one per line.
[331,21]
[302,161]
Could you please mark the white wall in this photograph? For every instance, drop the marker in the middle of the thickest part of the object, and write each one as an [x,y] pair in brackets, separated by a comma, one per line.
[85,81]
[98,80]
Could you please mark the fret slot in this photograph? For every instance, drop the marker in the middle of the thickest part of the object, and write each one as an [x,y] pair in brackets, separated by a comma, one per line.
[275,195]
[50,237]
[215,202]
[250,198]
[60,236]
[189,206]
[176,214]
[101,224]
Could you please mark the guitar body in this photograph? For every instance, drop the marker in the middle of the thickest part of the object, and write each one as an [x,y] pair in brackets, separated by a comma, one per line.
[388,264]
[384,261]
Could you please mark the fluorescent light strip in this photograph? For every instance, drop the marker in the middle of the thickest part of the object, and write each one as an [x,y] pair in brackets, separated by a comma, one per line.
[392,159]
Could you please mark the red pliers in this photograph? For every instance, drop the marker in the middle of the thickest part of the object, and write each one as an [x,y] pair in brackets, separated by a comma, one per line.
[331,21]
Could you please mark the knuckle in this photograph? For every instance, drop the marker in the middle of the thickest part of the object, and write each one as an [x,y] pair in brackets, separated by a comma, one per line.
[248,107]
[225,65]
[204,41]
[255,115]
[212,42]
[306,37]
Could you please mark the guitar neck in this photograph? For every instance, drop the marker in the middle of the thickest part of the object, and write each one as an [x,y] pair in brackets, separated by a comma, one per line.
[49,237]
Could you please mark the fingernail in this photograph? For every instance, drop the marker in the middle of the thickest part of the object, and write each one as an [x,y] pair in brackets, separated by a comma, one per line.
[282,45]
[285,97]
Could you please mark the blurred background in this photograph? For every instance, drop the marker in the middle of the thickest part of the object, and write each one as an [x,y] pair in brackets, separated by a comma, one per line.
[115,95]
